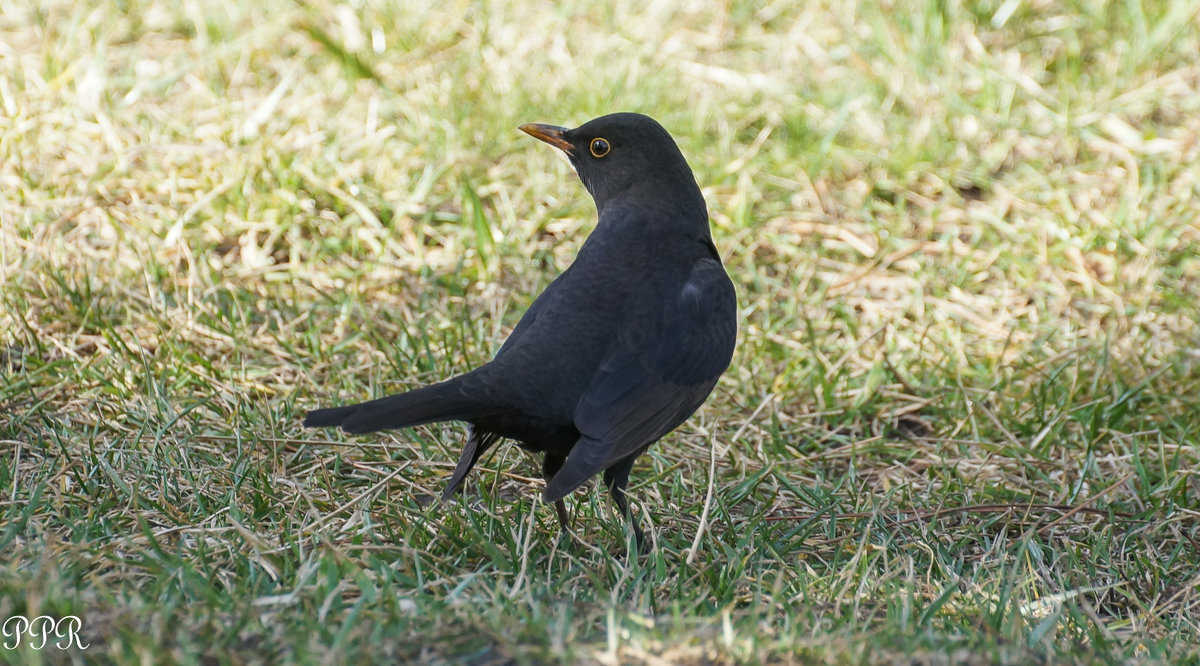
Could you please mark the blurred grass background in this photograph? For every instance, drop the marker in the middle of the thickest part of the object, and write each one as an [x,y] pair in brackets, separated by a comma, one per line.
[961,425]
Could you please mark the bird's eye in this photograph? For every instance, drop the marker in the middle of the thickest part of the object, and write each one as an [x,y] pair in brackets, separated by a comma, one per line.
[599,147]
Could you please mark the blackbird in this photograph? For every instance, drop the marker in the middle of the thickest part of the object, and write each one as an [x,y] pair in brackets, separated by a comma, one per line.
[620,349]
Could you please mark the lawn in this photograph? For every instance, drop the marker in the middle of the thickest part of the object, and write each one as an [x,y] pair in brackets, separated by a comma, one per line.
[962,424]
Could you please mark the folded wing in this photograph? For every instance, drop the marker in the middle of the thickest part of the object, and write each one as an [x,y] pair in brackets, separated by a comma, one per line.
[667,357]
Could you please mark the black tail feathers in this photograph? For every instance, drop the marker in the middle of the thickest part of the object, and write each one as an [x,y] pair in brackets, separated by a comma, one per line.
[329,417]
[440,402]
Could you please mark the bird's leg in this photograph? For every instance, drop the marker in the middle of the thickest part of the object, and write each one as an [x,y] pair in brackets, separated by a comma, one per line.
[478,441]
[617,478]
[561,509]
[550,466]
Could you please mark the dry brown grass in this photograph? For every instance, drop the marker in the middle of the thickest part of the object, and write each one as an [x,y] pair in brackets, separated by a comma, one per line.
[961,424]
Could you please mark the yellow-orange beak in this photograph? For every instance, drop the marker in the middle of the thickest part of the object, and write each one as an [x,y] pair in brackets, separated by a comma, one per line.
[549,133]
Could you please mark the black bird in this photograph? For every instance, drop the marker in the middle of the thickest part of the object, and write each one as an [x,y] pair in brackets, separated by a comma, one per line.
[618,350]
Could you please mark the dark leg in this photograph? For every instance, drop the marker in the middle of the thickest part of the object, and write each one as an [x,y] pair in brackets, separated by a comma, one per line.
[617,478]
[478,441]
[550,466]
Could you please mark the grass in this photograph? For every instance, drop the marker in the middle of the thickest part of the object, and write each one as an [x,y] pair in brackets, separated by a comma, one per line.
[961,424]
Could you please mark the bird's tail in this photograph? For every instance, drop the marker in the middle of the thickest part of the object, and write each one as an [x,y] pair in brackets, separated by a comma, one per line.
[439,402]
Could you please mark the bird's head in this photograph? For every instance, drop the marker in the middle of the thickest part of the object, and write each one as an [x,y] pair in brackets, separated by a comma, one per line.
[624,154]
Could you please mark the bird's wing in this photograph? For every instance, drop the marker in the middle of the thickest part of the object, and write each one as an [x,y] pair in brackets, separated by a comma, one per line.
[548,295]
[663,364]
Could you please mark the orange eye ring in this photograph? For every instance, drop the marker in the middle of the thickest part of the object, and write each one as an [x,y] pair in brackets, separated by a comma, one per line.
[599,147]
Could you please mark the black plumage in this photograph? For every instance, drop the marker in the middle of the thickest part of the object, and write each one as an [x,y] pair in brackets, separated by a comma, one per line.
[619,350]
